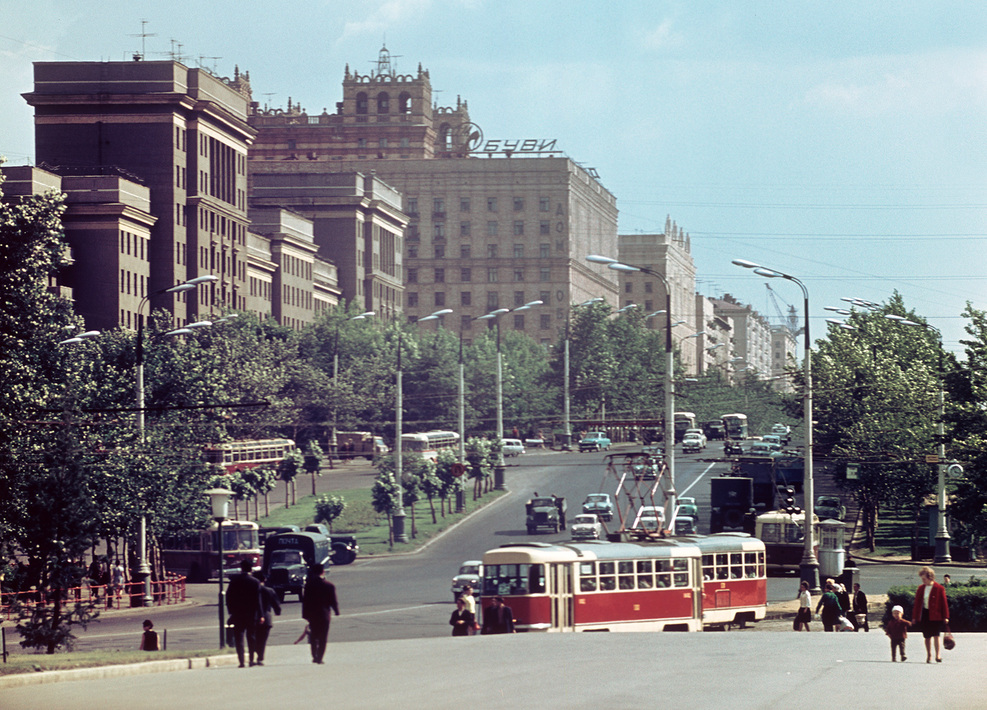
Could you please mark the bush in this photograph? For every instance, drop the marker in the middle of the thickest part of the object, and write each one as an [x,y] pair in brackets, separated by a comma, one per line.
[967,604]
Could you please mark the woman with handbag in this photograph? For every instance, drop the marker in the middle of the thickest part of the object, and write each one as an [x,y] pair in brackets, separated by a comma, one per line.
[931,611]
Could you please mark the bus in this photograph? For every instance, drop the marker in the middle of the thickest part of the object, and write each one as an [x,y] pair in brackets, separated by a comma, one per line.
[734,426]
[684,421]
[234,456]
[783,535]
[196,556]
[671,584]
[428,443]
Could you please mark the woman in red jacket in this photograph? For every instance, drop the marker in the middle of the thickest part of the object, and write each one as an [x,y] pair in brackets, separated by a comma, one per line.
[931,611]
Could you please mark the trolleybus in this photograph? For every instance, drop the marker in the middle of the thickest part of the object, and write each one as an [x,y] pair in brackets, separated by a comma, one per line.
[235,456]
[734,426]
[197,555]
[627,586]
[428,443]
[783,535]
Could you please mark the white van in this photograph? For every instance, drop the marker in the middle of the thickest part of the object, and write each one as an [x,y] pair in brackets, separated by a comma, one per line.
[513,447]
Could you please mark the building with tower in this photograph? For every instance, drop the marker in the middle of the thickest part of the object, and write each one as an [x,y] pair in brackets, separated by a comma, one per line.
[489,224]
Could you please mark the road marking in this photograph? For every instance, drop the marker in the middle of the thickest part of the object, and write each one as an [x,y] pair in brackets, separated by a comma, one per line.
[698,479]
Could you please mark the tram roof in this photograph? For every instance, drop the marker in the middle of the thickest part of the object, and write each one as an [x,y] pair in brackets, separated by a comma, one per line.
[534,553]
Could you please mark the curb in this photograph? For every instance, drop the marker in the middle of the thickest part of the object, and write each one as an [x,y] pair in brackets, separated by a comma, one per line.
[18,680]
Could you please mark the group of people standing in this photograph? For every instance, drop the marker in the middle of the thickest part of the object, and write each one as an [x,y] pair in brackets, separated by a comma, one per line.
[252,606]
[930,613]
[498,618]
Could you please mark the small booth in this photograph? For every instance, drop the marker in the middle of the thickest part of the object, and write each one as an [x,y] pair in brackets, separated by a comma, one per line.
[832,552]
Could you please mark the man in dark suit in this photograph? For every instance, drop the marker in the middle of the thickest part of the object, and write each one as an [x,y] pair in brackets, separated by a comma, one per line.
[269,606]
[318,603]
[498,618]
[243,604]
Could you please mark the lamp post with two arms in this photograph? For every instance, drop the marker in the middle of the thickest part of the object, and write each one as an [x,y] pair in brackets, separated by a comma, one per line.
[144,571]
[942,554]
[809,566]
[399,515]
[500,466]
[669,434]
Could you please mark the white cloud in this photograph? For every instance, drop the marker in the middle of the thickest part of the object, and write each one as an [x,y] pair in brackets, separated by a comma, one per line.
[661,37]
[385,15]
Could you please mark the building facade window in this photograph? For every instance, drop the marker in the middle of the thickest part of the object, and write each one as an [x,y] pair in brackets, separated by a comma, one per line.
[491,229]
[491,251]
[544,250]
[440,299]
[518,275]
[412,299]
[492,276]
[465,250]
[491,204]
[544,321]
[440,251]
[544,274]
[466,298]
[466,275]
[543,204]
[518,322]
[412,276]
[493,301]
[518,251]
[519,204]
[440,276]
[465,229]
[518,228]
[464,204]
[518,298]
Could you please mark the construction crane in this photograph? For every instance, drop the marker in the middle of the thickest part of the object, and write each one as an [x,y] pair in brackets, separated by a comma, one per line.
[791,321]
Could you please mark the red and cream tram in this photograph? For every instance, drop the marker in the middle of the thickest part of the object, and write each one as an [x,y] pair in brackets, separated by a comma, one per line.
[628,586]
[735,584]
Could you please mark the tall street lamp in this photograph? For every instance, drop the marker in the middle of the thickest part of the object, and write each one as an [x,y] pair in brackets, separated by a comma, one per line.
[669,433]
[809,565]
[144,571]
[942,533]
[333,441]
[399,515]
[566,412]
[501,465]
[219,500]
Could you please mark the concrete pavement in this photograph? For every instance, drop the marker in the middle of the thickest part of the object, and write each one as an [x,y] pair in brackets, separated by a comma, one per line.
[624,670]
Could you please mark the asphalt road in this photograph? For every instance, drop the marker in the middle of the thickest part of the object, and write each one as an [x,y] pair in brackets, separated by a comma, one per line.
[407,596]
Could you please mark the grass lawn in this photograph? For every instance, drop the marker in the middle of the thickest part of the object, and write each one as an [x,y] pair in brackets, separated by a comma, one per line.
[61,661]
[371,530]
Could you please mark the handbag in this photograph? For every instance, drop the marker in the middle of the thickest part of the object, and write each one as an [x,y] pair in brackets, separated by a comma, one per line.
[844,624]
[948,642]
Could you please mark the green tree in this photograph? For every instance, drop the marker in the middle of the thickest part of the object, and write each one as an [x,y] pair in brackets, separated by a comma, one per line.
[313,460]
[288,469]
[875,401]
[328,508]
[384,496]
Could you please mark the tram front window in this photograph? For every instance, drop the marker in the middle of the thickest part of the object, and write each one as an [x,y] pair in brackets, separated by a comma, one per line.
[506,580]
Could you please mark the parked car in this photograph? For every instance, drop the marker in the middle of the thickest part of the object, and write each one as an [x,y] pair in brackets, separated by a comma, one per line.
[512,447]
[586,526]
[470,573]
[765,448]
[692,443]
[600,505]
[829,508]
[595,441]
[783,431]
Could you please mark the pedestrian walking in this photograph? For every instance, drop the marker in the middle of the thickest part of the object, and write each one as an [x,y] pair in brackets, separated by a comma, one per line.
[859,604]
[804,614]
[461,619]
[467,596]
[243,604]
[116,585]
[830,606]
[498,618]
[897,630]
[930,611]
[149,639]
[318,603]
[269,607]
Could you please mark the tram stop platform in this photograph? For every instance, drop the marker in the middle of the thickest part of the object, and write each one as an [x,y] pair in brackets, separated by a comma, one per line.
[591,670]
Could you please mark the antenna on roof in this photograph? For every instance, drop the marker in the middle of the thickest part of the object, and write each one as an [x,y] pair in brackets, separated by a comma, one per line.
[143,35]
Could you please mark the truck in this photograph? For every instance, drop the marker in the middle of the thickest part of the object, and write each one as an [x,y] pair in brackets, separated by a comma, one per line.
[287,557]
[343,548]
[732,501]
[545,513]
[354,444]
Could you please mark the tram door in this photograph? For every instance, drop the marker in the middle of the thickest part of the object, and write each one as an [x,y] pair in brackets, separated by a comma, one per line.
[560,595]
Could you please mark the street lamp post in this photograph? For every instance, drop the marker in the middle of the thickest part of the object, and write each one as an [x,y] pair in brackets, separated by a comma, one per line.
[501,465]
[333,441]
[399,515]
[942,554]
[566,411]
[219,500]
[144,571]
[809,565]
[669,434]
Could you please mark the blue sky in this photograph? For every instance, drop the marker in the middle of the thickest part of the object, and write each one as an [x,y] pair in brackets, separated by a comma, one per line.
[841,142]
